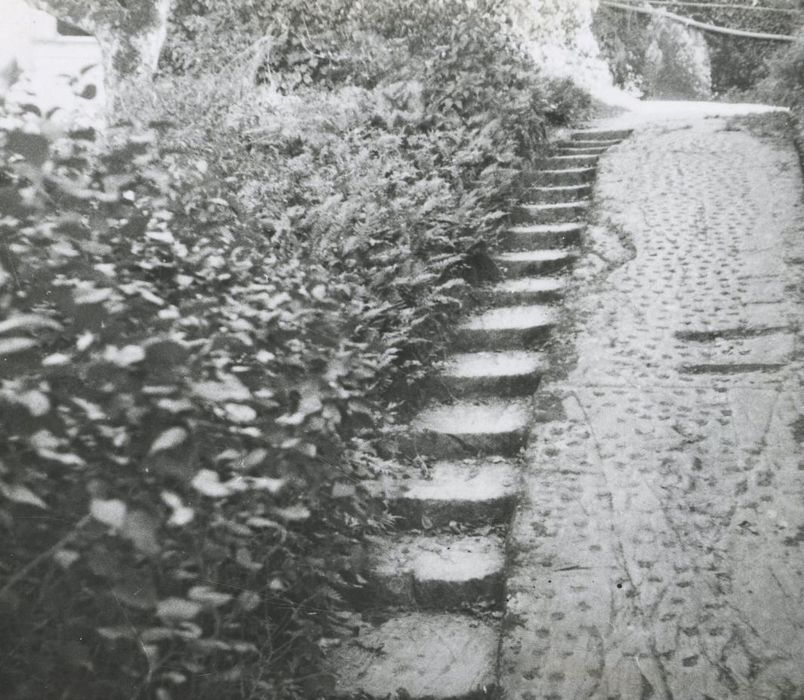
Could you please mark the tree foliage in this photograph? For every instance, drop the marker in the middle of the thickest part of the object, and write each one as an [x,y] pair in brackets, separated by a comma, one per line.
[737,63]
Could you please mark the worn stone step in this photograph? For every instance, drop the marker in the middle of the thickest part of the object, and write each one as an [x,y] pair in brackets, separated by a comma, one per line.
[506,328]
[598,135]
[420,656]
[603,144]
[472,492]
[526,290]
[570,193]
[540,236]
[551,213]
[569,160]
[563,176]
[437,572]
[512,373]
[469,429]
[568,147]
[526,263]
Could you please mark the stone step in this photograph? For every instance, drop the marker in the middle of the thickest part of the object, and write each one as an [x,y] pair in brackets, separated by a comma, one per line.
[563,176]
[441,571]
[526,263]
[420,656]
[512,373]
[602,144]
[569,160]
[536,236]
[601,135]
[526,290]
[570,193]
[506,328]
[569,147]
[472,492]
[551,213]
[469,429]
[734,355]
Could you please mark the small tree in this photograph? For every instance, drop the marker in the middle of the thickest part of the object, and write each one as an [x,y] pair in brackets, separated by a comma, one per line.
[130,35]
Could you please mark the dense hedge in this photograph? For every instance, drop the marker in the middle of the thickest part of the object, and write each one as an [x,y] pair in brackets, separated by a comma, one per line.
[201,317]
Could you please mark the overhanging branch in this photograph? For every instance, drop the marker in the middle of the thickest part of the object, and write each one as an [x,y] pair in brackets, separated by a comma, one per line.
[726,6]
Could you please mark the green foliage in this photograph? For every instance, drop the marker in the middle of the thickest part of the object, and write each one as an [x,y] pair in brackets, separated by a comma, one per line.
[785,82]
[202,319]
[623,39]
[737,63]
[785,85]
[199,396]
[677,64]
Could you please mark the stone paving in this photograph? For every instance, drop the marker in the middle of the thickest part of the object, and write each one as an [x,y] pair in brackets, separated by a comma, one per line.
[658,549]
[427,625]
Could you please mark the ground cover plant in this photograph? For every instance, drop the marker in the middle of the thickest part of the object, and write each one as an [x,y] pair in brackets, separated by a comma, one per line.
[206,313]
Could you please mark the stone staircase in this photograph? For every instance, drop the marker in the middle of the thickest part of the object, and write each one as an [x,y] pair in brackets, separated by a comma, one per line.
[440,580]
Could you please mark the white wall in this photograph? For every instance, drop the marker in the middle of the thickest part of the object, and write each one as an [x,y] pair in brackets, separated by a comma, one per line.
[29,38]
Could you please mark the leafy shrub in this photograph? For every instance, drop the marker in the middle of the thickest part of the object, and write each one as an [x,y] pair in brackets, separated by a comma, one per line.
[623,39]
[738,64]
[785,85]
[785,81]
[566,102]
[203,321]
[179,403]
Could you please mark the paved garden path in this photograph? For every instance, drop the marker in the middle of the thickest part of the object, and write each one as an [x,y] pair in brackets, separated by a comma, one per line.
[658,551]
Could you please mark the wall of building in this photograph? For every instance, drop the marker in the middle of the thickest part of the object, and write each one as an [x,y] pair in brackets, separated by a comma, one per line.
[47,62]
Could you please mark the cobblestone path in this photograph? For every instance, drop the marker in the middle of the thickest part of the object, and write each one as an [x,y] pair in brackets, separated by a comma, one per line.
[658,551]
